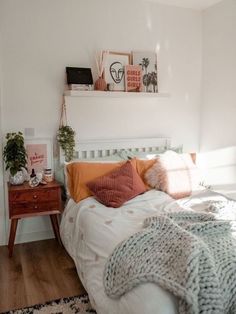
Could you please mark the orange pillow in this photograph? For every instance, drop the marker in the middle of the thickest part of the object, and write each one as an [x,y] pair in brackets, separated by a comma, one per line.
[118,186]
[80,173]
[142,166]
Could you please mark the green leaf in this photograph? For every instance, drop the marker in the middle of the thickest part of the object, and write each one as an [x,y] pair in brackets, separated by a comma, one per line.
[14,153]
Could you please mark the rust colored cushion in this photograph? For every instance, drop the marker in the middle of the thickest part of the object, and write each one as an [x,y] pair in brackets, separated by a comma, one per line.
[117,187]
[80,173]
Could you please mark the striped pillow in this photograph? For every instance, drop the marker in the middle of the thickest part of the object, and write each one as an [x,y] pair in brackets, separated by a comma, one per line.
[118,186]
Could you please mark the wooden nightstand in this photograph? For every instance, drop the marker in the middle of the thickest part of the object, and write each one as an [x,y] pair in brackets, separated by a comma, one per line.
[25,201]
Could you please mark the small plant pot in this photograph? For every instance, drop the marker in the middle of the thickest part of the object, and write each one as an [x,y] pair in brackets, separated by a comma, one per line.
[17,179]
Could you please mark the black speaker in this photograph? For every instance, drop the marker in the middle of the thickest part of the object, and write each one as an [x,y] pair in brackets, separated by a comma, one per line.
[79,76]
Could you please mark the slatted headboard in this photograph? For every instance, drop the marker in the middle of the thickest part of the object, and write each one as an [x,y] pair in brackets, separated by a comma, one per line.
[101,148]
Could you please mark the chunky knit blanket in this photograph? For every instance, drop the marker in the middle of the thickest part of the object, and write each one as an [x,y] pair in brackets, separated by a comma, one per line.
[189,254]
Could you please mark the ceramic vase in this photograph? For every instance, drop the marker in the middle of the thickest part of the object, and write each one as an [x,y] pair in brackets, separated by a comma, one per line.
[100,84]
[17,179]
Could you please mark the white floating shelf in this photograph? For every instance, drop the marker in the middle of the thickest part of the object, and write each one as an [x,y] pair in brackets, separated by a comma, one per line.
[75,93]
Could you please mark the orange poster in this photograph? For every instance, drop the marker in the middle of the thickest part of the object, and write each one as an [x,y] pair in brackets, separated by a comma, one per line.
[133,76]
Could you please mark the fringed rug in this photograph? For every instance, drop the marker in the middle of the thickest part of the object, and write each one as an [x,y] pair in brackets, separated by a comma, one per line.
[79,304]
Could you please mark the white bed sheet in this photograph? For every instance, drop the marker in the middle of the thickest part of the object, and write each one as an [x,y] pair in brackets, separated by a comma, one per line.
[90,232]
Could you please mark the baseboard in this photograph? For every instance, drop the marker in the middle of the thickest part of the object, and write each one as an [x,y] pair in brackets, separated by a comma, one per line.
[34,236]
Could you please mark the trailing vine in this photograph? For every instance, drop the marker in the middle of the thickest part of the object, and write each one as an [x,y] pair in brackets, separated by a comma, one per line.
[66,140]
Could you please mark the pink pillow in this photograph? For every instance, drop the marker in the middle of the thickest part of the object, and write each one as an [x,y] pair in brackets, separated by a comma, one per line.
[118,186]
[175,174]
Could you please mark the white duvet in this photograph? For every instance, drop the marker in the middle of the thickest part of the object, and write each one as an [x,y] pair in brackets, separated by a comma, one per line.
[90,232]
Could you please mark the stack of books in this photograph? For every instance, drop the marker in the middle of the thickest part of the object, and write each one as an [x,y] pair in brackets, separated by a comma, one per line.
[79,87]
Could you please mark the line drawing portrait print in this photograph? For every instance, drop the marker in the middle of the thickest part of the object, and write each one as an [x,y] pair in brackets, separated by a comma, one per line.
[114,71]
[117,71]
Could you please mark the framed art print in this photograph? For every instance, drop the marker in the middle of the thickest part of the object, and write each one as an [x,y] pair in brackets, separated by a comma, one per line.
[133,78]
[114,63]
[148,61]
[39,152]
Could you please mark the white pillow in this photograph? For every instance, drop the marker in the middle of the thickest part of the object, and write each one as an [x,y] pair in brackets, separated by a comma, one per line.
[174,174]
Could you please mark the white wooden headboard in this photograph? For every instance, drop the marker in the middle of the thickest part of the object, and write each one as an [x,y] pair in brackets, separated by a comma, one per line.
[101,148]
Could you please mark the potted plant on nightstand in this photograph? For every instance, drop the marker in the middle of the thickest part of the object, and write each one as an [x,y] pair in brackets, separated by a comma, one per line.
[15,157]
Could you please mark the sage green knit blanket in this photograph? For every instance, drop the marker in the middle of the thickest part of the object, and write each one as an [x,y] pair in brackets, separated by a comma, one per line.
[189,254]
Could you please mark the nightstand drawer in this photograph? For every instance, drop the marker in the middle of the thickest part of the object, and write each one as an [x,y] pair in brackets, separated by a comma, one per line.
[31,208]
[34,195]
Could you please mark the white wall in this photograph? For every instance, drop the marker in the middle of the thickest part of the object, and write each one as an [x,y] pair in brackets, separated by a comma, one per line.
[41,37]
[2,211]
[218,127]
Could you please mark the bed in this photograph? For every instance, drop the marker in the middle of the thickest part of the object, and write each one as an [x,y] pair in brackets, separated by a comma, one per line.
[90,231]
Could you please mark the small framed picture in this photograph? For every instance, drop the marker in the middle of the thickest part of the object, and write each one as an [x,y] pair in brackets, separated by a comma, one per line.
[133,78]
[39,152]
[114,63]
[148,61]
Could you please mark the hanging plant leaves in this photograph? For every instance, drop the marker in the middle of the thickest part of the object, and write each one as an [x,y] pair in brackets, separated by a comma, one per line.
[66,140]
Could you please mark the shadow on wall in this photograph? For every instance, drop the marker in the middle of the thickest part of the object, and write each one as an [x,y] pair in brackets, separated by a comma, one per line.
[218,167]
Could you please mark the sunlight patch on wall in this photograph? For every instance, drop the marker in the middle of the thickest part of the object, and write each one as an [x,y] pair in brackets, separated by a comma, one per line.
[186,97]
[167,45]
[149,20]
[170,72]
[218,166]
[158,48]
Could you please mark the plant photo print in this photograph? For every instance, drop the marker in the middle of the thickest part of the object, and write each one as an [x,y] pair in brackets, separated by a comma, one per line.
[148,62]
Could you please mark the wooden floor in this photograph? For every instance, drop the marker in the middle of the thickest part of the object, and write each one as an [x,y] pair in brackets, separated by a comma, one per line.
[38,272]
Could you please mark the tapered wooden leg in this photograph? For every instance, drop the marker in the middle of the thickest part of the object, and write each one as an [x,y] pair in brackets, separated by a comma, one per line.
[55,227]
[12,235]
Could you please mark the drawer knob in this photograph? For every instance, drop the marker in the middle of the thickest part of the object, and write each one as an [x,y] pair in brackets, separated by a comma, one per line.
[35,196]
[35,207]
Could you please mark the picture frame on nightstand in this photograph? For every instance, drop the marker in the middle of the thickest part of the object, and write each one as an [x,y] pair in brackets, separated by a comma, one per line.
[40,154]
